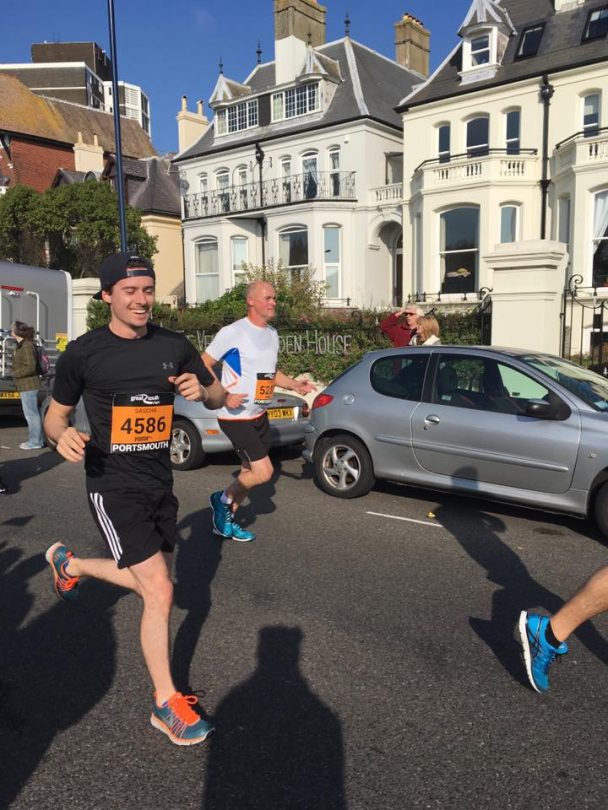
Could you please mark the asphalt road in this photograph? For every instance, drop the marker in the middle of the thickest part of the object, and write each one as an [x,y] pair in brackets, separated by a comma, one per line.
[360,654]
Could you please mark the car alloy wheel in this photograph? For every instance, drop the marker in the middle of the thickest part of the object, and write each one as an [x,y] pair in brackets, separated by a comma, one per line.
[342,467]
[186,448]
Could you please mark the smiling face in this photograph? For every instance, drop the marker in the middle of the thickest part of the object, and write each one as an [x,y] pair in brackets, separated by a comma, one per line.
[130,301]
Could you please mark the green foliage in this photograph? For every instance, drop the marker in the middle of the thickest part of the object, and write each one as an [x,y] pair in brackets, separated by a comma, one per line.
[77,223]
[314,340]
[19,240]
[298,293]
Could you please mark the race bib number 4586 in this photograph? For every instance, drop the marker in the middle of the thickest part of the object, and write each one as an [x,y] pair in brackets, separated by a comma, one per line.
[141,422]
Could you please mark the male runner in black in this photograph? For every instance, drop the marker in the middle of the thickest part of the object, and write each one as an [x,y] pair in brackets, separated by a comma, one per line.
[128,374]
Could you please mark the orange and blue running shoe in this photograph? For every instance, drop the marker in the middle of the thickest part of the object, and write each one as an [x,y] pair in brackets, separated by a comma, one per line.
[66,587]
[179,721]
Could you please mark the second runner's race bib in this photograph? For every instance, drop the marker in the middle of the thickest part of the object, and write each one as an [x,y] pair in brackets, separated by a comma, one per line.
[141,422]
[264,388]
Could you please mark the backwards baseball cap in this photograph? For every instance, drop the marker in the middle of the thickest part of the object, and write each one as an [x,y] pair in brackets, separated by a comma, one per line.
[122,265]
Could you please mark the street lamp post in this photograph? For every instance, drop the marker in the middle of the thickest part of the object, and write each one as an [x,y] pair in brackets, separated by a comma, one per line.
[259,159]
[117,137]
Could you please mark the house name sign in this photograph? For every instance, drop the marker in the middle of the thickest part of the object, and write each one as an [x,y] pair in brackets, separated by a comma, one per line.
[310,340]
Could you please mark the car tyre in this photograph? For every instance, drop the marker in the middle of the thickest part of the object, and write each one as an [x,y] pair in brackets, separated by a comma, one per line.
[600,509]
[343,467]
[186,447]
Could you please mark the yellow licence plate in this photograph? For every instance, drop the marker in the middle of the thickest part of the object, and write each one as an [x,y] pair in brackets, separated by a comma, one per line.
[9,394]
[280,413]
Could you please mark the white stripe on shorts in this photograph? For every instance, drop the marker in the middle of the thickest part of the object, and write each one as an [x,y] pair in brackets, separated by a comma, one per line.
[106,524]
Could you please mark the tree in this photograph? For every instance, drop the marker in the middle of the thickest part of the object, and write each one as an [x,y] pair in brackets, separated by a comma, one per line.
[19,241]
[77,223]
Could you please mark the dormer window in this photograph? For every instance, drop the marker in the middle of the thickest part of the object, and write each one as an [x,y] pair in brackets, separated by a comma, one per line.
[480,50]
[597,24]
[530,41]
[295,102]
[237,117]
[485,32]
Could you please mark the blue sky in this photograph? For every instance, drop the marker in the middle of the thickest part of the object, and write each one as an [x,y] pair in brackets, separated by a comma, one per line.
[173,49]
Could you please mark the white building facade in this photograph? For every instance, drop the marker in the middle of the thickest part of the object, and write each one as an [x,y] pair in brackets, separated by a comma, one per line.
[302,165]
[506,144]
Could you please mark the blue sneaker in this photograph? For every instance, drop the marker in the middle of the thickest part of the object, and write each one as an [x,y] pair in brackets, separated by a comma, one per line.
[179,721]
[66,587]
[238,533]
[538,653]
[222,516]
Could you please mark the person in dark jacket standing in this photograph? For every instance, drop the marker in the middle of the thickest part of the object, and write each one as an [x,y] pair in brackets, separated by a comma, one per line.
[27,382]
[401,331]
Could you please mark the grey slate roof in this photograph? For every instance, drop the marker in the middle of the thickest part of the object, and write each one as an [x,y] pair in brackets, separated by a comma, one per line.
[561,48]
[371,89]
[159,193]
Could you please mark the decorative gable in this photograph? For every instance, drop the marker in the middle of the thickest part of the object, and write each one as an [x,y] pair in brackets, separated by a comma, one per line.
[227,90]
[485,33]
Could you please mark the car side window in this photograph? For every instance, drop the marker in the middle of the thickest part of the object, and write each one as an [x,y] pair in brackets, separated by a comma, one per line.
[458,382]
[485,384]
[399,376]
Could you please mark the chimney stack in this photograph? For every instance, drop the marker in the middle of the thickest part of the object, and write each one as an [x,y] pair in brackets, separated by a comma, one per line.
[297,23]
[300,19]
[412,44]
[190,125]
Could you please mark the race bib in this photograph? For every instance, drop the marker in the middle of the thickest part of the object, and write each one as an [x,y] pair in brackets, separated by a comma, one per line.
[264,388]
[141,422]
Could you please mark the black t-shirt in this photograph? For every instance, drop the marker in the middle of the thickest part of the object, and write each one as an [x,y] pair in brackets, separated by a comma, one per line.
[129,402]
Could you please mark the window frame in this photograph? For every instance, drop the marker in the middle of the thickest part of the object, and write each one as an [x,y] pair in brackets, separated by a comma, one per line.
[591,130]
[516,207]
[210,241]
[512,143]
[234,240]
[587,37]
[479,150]
[294,102]
[527,31]
[336,266]
[444,154]
[445,282]
[289,230]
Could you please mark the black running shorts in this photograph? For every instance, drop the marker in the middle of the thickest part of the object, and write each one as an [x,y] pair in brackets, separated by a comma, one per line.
[250,437]
[135,523]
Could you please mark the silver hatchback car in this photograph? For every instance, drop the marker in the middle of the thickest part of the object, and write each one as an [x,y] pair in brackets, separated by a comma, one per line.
[511,425]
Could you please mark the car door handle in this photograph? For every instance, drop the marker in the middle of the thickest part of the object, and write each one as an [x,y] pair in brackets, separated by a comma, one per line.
[431,419]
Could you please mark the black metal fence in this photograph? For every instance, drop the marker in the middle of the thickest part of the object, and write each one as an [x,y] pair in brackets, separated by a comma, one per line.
[584,323]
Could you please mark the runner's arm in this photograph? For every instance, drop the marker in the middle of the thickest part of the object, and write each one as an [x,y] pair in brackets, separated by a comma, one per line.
[68,441]
[233,399]
[299,386]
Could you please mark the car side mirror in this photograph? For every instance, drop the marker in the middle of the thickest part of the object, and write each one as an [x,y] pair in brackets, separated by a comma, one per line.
[541,409]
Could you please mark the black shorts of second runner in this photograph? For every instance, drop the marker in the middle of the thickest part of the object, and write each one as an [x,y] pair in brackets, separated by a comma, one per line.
[250,437]
[135,523]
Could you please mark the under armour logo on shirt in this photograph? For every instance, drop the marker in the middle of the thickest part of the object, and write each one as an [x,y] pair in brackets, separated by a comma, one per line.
[167,366]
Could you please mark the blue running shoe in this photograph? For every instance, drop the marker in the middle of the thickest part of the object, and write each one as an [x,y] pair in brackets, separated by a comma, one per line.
[222,516]
[179,721]
[66,587]
[241,534]
[538,653]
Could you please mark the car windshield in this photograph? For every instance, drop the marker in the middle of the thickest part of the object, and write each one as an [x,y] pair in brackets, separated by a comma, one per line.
[588,385]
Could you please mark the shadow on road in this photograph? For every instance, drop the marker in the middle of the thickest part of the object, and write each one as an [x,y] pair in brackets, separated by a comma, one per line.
[14,471]
[517,591]
[197,559]
[278,745]
[53,669]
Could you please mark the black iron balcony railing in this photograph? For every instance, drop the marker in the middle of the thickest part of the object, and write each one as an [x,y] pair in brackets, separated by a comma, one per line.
[280,191]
